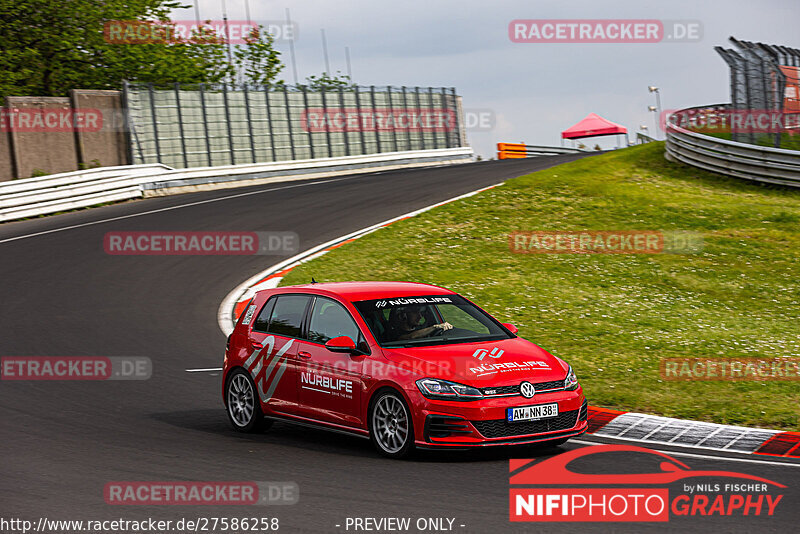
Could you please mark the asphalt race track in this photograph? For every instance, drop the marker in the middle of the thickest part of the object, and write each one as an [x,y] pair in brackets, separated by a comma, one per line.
[62,441]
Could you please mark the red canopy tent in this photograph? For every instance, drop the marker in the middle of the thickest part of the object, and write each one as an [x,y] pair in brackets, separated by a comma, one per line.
[593,126]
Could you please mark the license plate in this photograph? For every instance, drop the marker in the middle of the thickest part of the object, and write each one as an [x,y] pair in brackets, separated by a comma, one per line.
[531,413]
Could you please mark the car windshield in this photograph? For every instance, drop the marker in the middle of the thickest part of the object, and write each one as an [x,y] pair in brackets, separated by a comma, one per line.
[428,320]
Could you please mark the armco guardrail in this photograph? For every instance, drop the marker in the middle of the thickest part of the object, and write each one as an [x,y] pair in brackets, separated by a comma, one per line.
[740,160]
[187,180]
[79,189]
[521,150]
[60,192]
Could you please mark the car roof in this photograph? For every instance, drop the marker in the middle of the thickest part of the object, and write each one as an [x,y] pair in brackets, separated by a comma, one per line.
[355,291]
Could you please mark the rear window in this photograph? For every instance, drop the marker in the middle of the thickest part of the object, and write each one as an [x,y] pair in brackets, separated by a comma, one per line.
[286,318]
[262,321]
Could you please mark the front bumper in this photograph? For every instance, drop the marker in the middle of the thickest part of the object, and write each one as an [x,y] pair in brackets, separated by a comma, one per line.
[483,423]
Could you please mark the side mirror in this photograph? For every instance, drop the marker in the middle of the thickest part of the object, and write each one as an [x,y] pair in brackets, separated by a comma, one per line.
[511,328]
[341,344]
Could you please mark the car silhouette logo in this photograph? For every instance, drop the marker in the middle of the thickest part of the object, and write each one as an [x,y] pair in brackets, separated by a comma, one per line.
[555,470]
[527,390]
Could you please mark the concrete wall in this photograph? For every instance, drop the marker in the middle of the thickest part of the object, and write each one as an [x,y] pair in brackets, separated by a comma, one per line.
[28,147]
[6,164]
[37,149]
[108,146]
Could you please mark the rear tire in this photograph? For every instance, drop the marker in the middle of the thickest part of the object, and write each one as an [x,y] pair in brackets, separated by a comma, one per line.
[391,428]
[242,404]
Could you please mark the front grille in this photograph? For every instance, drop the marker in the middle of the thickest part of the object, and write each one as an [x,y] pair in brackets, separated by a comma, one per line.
[584,415]
[500,428]
[501,390]
[514,390]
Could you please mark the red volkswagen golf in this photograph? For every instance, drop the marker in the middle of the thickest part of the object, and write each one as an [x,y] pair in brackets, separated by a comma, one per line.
[407,365]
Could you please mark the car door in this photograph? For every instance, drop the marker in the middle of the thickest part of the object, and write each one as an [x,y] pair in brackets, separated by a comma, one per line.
[274,341]
[330,384]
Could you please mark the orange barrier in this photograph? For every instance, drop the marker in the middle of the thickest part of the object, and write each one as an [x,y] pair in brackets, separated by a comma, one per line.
[511,151]
[521,150]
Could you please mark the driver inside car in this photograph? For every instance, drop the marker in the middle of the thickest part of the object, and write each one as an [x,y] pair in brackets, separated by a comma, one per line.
[405,323]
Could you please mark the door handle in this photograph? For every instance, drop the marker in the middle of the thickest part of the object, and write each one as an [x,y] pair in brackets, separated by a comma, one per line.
[256,345]
[303,354]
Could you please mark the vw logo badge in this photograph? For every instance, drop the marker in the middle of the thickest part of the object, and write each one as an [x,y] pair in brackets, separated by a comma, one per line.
[527,390]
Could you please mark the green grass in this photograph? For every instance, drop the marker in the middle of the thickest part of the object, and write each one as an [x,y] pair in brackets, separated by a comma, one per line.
[614,317]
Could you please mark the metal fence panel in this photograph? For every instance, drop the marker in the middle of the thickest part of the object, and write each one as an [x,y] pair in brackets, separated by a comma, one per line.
[198,125]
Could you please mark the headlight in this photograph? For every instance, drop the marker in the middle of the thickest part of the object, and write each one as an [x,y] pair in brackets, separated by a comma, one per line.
[442,389]
[571,382]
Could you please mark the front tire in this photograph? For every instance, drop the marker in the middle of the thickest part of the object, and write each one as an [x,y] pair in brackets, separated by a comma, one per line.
[242,405]
[391,428]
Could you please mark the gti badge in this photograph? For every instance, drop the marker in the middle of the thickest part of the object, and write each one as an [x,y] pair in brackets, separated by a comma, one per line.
[527,390]
[494,353]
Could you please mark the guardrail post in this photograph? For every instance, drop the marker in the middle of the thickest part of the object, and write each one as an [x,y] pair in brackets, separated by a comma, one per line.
[419,112]
[205,123]
[432,106]
[155,122]
[269,123]
[129,134]
[446,109]
[393,117]
[405,110]
[374,121]
[457,116]
[308,126]
[360,121]
[325,119]
[180,123]
[289,120]
[249,122]
[346,128]
[228,122]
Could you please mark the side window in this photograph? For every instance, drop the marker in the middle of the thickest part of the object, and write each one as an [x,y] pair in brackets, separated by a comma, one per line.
[329,319]
[287,317]
[262,322]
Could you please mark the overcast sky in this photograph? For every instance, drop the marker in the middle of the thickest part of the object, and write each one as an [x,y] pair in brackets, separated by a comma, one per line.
[534,90]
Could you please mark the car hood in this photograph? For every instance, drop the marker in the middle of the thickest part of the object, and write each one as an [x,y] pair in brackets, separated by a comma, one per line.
[481,364]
